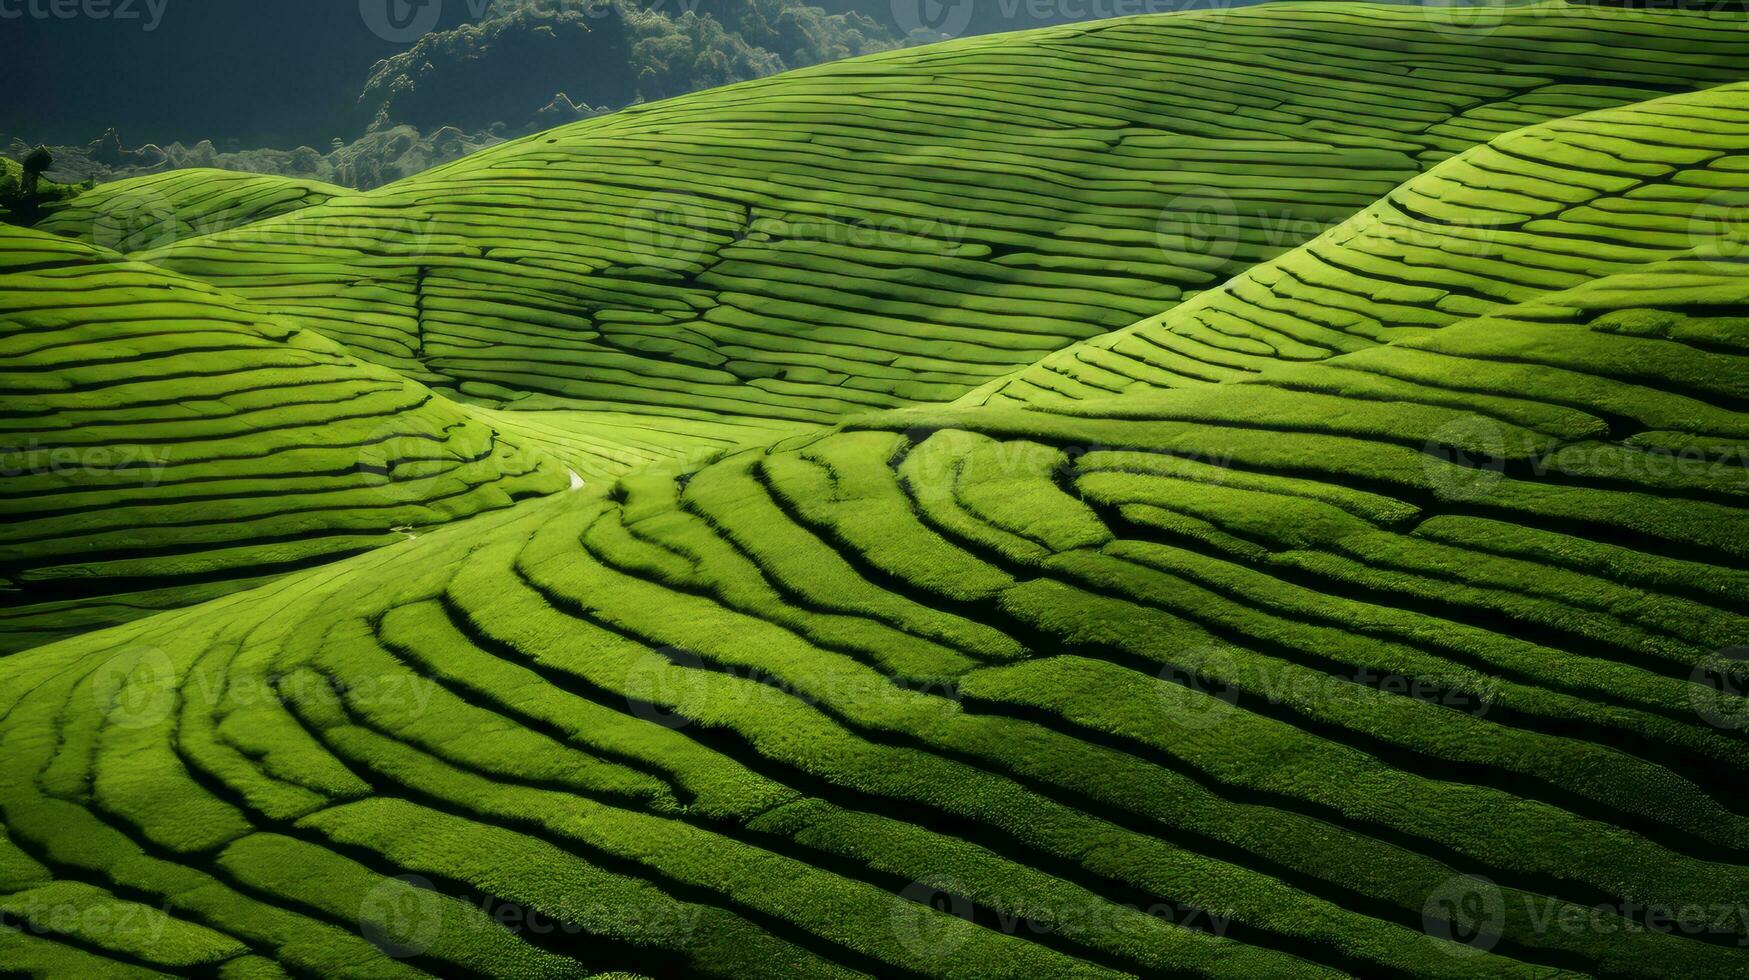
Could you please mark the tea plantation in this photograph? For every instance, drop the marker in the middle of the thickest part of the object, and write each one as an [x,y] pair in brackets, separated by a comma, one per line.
[1248,493]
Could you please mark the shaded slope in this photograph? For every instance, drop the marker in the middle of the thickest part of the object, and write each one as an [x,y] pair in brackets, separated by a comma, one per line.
[1322,676]
[163,442]
[904,227]
[1533,211]
[153,211]
[19,208]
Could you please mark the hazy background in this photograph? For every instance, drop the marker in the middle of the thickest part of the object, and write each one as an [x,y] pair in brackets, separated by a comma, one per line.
[267,72]
[244,84]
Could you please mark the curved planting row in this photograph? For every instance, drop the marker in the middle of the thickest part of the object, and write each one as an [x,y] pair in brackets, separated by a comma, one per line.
[1422,662]
[1534,211]
[740,266]
[162,442]
[149,212]
[905,227]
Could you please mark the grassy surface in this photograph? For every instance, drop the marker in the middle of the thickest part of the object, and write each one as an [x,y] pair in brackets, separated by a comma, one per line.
[143,213]
[1533,211]
[1052,665]
[749,264]
[164,442]
[906,227]
[1401,646]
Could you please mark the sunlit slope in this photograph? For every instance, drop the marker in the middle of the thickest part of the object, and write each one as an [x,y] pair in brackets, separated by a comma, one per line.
[1316,677]
[603,445]
[149,212]
[163,443]
[1534,211]
[905,227]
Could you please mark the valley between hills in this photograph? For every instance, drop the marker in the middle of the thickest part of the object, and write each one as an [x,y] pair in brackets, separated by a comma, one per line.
[1251,492]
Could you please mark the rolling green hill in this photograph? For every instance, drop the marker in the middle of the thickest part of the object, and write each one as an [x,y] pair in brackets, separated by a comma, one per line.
[760,261]
[905,227]
[148,212]
[163,443]
[1404,649]
[1531,212]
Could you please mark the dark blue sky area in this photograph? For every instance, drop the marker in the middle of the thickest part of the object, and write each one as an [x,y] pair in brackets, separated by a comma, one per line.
[265,72]
[279,73]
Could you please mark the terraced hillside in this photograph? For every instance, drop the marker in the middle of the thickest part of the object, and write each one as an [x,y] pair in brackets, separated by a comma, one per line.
[161,442]
[1531,212]
[902,228]
[1418,659]
[148,212]
[751,264]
